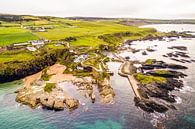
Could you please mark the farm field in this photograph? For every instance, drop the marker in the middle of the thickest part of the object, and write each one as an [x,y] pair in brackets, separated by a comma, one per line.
[11,35]
[85,32]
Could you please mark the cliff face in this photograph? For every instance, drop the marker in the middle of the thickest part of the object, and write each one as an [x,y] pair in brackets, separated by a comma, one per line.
[17,70]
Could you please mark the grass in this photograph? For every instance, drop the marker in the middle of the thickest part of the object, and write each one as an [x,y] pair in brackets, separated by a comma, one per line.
[149,61]
[88,32]
[45,76]
[15,55]
[145,79]
[12,35]
[49,87]
[162,72]
[92,60]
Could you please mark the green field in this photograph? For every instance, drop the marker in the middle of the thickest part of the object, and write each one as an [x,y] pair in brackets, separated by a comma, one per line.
[76,32]
[10,35]
[15,55]
[86,32]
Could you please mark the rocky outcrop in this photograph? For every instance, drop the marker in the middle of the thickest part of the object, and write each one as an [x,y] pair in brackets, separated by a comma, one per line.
[71,103]
[150,106]
[167,74]
[155,83]
[33,92]
[85,87]
[175,66]
[144,53]
[58,105]
[106,91]
[178,54]
[52,101]
[154,64]
[28,99]
[182,48]
[47,101]
[172,34]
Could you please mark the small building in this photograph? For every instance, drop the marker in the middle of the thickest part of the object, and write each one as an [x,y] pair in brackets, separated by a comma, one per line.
[31,49]
[41,30]
[80,68]
[37,43]
[21,44]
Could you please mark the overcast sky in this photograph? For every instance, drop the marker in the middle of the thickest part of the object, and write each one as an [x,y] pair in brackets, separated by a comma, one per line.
[102,8]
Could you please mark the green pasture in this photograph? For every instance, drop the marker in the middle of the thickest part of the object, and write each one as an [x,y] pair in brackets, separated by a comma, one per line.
[11,35]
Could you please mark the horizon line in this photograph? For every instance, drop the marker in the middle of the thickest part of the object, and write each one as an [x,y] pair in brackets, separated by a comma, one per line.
[106,17]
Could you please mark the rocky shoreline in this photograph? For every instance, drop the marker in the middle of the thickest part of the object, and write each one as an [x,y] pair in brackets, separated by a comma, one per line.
[152,81]
[155,80]
[34,92]
[152,85]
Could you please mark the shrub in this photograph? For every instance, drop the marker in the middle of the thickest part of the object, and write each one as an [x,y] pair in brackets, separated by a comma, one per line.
[49,87]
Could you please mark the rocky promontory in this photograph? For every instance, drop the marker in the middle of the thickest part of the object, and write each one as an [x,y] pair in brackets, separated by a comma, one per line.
[153,82]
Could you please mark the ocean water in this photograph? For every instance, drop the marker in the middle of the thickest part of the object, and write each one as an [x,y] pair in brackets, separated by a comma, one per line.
[122,114]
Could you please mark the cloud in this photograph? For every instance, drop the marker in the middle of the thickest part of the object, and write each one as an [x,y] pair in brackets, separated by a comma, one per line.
[104,8]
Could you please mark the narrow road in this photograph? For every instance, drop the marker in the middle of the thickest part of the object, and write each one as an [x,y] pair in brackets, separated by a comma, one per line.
[125,70]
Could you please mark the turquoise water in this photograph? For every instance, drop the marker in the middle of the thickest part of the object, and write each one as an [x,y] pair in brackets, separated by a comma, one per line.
[120,115]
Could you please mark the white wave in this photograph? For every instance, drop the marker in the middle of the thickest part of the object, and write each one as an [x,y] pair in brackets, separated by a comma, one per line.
[178,100]
[157,118]
[186,89]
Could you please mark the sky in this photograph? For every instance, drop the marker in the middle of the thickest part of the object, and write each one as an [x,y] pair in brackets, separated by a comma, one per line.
[156,9]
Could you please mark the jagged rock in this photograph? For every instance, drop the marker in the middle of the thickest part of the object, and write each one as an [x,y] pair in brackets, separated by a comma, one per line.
[165,56]
[144,53]
[167,74]
[177,60]
[175,66]
[177,54]
[182,48]
[182,54]
[28,99]
[150,50]
[71,103]
[135,50]
[92,98]
[58,105]
[150,106]
[154,64]
[106,91]
[193,60]
[187,61]
[47,102]
[153,90]
[108,98]
[127,58]
[128,42]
